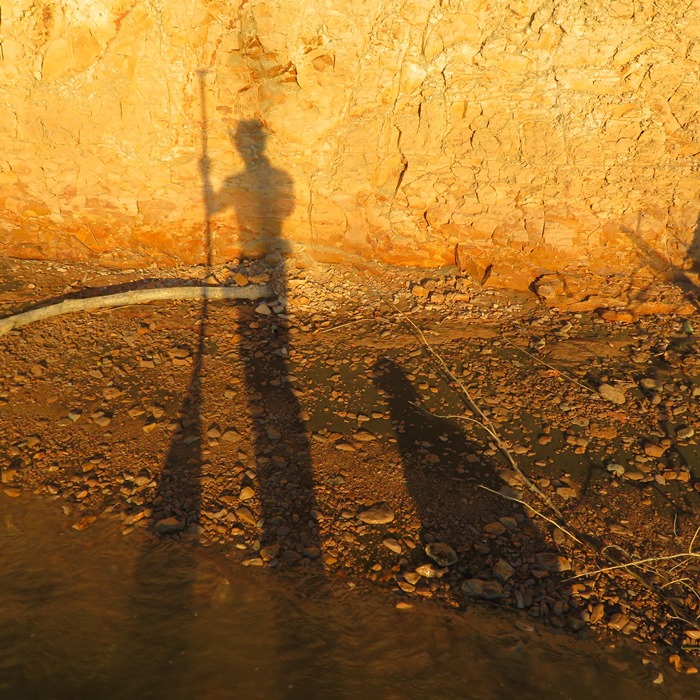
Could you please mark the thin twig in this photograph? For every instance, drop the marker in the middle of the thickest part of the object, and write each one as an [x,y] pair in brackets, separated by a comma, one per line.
[477,410]
[570,377]
[536,512]
[351,323]
[638,562]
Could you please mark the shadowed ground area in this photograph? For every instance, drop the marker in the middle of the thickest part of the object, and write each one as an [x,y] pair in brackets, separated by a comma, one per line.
[601,415]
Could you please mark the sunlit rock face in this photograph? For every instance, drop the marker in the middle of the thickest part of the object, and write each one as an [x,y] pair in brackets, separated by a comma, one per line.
[530,136]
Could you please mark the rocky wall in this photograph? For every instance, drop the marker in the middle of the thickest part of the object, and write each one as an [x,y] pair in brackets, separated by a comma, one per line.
[516,137]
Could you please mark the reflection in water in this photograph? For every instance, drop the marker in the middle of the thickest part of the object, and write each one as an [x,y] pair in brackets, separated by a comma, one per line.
[64,607]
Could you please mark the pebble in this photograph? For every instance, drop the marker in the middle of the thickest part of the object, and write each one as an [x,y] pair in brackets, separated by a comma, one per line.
[429,571]
[442,554]
[393,545]
[618,621]
[169,526]
[478,588]
[653,450]
[231,435]
[615,469]
[495,528]
[246,515]
[378,514]
[502,570]
[610,393]
[552,562]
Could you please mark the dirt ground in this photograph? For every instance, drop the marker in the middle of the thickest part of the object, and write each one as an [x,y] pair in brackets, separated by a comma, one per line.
[329,428]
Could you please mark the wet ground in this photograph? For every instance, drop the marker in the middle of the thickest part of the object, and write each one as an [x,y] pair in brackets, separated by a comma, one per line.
[94,614]
[327,435]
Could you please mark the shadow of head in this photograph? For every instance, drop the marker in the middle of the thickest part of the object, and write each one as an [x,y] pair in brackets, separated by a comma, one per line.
[391,379]
[249,138]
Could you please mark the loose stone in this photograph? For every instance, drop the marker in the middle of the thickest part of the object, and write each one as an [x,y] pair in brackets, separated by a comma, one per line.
[478,588]
[442,554]
[378,514]
[610,393]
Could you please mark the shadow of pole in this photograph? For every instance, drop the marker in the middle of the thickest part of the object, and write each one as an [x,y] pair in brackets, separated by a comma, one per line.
[262,197]
[166,572]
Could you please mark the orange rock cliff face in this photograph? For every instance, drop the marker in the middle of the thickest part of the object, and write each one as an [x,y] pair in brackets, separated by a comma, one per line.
[528,135]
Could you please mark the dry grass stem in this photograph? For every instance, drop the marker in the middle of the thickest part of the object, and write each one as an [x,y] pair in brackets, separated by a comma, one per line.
[568,376]
[535,511]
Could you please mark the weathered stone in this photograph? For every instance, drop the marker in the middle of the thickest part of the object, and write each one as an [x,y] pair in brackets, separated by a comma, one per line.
[610,393]
[442,554]
[653,450]
[392,544]
[246,515]
[378,514]
[553,562]
[502,570]
[477,588]
[169,526]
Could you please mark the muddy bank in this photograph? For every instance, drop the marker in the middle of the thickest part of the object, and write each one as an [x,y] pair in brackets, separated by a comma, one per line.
[317,431]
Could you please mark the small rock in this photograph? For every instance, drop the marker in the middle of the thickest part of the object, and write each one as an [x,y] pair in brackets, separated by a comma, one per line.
[597,613]
[685,433]
[169,526]
[442,554]
[378,514]
[214,432]
[112,392]
[653,450]
[552,562]
[429,571]
[615,469]
[494,528]
[246,493]
[610,393]
[478,588]
[263,309]
[246,515]
[618,621]
[344,447]
[7,475]
[392,544]
[12,492]
[101,419]
[502,570]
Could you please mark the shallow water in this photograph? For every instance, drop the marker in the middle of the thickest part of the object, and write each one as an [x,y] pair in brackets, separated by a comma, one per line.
[93,614]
